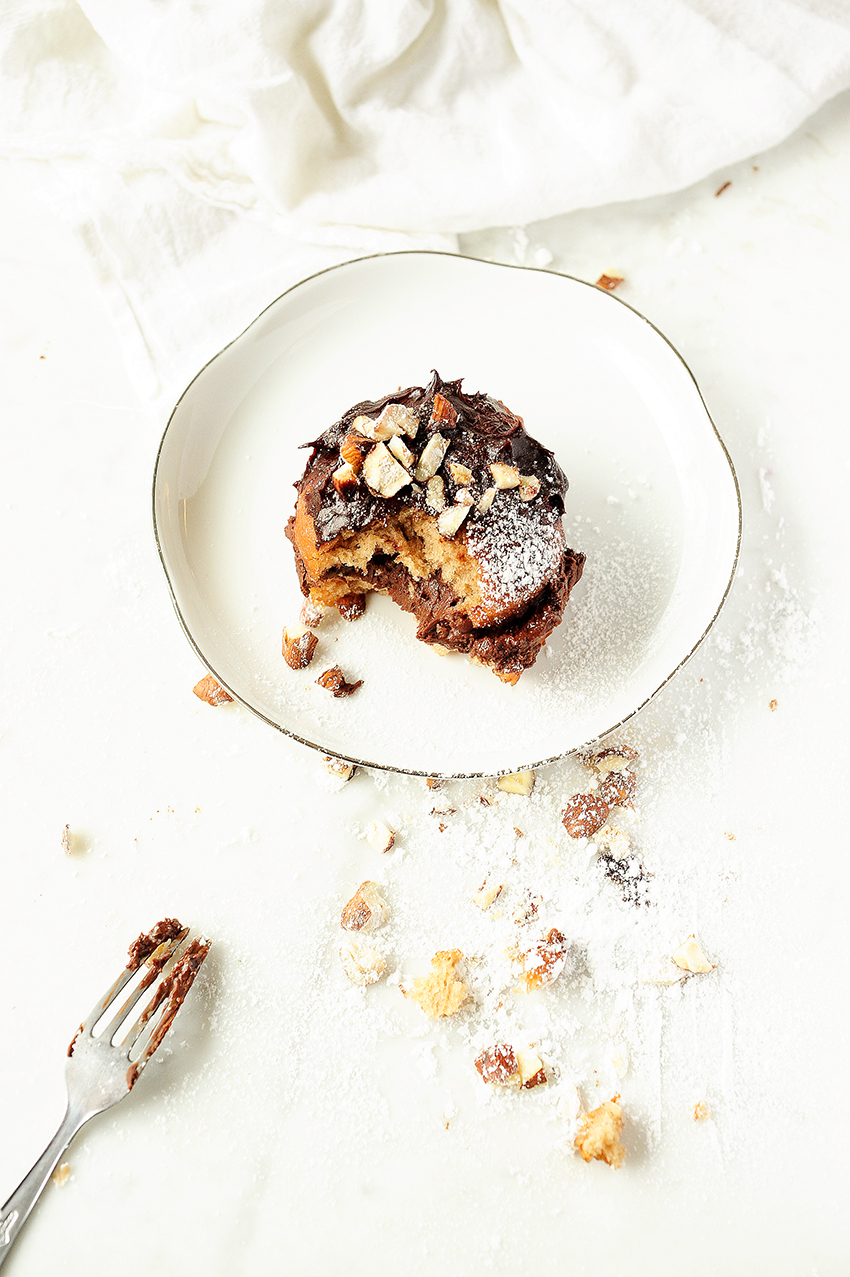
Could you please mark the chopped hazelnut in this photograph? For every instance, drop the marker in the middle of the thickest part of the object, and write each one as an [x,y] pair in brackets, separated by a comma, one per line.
[545,961]
[380,836]
[464,497]
[401,452]
[443,411]
[529,486]
[584,814]
[383,475]
[616,758]
[488,892]
[345,480]
[311,614]
[361,964]
[431,458]
[690,957]
[354,448]
[526,910]
[397,419]
[351,606]
[440,993]
[617,789]
[486,500]
[504,476]
[599,1134]
[531,1069]
[517,783]
[448,523]
[366,910]
[435,494]
[298,646]
[462,475]
[334,681]
[211,691]
[701,1111]
[609,280]
[498,1065]
[614,840]
[338,767]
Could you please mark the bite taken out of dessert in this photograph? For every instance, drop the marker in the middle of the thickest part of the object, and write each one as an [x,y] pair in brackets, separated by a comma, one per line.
[443,501]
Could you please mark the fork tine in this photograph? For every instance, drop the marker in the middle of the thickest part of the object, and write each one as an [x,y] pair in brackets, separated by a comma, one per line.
[160,957]
[169,996]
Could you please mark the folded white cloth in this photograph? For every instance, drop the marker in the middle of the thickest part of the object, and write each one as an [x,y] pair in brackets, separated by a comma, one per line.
[211,154]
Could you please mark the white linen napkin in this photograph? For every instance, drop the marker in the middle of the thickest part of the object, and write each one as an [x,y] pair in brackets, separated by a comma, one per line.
[212,154]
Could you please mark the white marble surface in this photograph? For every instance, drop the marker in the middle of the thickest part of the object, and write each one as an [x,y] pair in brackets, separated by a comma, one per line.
[277,1136]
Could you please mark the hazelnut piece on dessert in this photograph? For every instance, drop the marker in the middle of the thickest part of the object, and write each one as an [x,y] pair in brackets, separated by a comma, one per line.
[690,957]
[443,411]
[366,910]
[488,893]
[545,961]
[211,691]
[396,419]
[354,449]
[298,646]
[599,1134]
[345,480]
[334,680]
[517,783]
[584,814]
[435,494]
[462,475]
[504,476]
[431,458]
[486,500]
[382,474]
[361,964]
[498,1065]
[529,487]
[380,836]
[401,452]
[440,993]
[464,497]
[448,523]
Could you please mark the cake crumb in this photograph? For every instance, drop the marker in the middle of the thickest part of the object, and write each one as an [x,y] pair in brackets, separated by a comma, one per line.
[774,705]
[440,993]
[690,957]
[62,1174]
[67,840]
[361,964]
[701,1111]
[599,1134]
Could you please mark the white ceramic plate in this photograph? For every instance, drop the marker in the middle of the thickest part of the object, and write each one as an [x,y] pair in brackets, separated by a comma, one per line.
[653,502]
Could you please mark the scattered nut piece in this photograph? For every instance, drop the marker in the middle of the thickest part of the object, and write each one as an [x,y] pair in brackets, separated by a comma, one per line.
[443,411]
[345,480]
[354,449]
[67,840]
[334,680]
[431,458]
[617,789]
[351,606]
[338,767]
[435,782]
[545,961]
[397,419]
[362,965]
[486,500]
[401,452]
[366,910]
[435,494]
[517,783]
[616,758]
[531,1069]
[529,487]
[774,705]
[488,892]
[584,814]
[701,1111]
[440,993]
[380,836]
[690,957]
[498,1065]
[382,474]
[62,1174]
[609,281]
[620,1061]
[210,691]
[526,910]
[462,475]
[614,840]
[298,646]
[504,476]
[599,1134]
[311,614]
[448,523]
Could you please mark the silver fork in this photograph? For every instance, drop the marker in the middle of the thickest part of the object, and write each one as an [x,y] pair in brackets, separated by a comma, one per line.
[97,1073]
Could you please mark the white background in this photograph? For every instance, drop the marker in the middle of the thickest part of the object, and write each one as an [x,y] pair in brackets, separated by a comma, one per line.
[278,1136]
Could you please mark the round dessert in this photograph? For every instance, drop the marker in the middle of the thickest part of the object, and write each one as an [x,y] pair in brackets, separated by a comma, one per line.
[443,501]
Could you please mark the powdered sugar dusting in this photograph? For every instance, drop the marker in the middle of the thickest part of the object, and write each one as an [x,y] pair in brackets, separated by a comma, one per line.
[519,546]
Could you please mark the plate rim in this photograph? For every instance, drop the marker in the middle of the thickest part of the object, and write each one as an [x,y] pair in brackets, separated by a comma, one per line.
[409,771]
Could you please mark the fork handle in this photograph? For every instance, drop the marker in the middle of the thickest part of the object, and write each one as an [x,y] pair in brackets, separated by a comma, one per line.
[14,1212]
